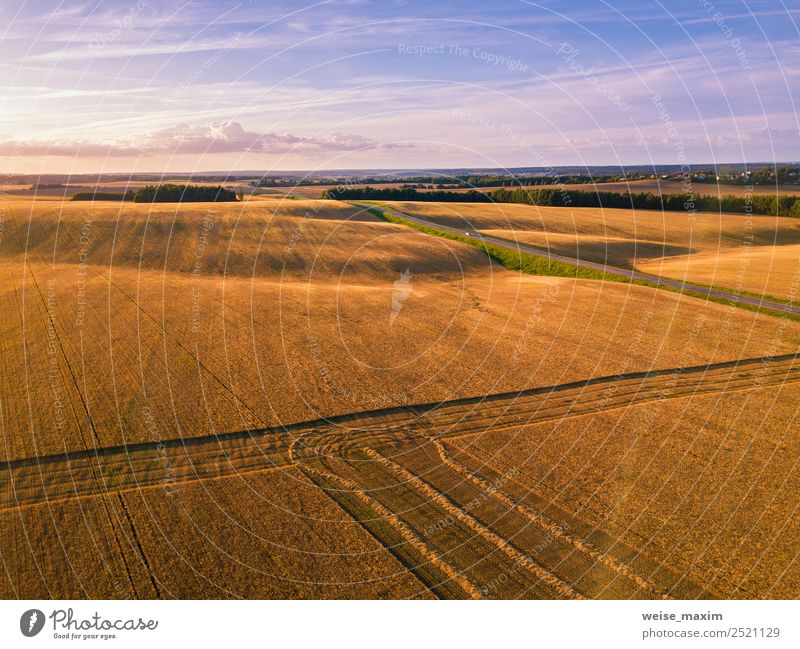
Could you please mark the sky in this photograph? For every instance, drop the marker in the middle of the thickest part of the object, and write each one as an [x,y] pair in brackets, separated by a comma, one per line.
[155,86]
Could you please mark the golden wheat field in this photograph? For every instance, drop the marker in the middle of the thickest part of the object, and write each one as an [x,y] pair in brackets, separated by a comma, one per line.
[292,398]
[757,254]
[658,186]
[768,270]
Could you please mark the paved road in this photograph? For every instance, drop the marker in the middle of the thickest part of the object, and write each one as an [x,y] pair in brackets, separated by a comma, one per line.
[611,270]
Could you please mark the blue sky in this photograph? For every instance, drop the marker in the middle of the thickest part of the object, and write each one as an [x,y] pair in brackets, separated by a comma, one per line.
[146,85]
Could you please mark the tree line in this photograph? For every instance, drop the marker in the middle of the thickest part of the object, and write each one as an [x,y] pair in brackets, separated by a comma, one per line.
[781,205]
[168,193]
[405,194]
[511,180]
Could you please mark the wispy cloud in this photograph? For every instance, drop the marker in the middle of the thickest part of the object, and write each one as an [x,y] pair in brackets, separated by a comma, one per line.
[97,48]
[153,78]
[183,139]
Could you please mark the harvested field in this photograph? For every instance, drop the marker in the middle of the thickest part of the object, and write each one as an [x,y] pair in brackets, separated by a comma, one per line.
[248,400]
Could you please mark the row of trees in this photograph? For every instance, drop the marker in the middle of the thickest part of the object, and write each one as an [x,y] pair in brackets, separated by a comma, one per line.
[510,180]
[277,181]
[458,182]
[405,194]
[103,196]
[168,193]
[782,205]
[772,175]
[783,175]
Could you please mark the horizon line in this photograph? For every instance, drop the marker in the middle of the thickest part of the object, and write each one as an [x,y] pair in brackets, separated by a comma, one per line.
[308,172]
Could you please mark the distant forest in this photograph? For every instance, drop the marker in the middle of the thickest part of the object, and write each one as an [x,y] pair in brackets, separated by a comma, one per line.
[736,175]
[168,193]
[407,194]
[458,182]
[782,205]
[103,196]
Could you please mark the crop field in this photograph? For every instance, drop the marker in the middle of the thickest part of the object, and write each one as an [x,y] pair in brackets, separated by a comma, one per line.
[699,189]
[656,187]
[114,187]
[704,484]
[289,398]
[634,186]
[768,270]
[758,254]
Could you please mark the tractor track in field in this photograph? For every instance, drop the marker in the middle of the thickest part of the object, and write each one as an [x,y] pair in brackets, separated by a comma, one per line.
[399,539]
[453,525]
[45,477]
[548,524]
[96,472]
[454,509]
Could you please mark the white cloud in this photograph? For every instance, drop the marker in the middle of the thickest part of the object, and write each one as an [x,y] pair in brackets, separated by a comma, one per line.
[184,139]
